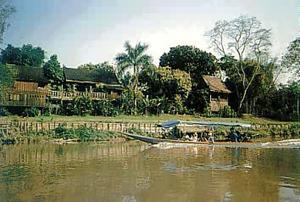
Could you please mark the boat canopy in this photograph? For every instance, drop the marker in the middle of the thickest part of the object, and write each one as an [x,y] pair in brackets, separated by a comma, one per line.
[173,123]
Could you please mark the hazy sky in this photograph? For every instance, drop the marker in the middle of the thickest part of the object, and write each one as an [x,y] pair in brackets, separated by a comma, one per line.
[83,31]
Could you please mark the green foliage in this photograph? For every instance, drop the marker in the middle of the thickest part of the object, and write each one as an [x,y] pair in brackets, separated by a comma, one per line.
[83,133]
[196,63]
[227,112]
[291,58]
[132,102]
[198,100]
[31,112]
[27,55]
[4,111]
[262,81]
[105,108]
[7,75]
[281,103]
[103,71]
[190,59]
[295,130]
[53,70]
[68,108]
[207,112]
[83,105]
[165,82]
[135,60]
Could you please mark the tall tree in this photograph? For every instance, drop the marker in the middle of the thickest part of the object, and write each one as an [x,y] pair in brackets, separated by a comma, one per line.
[53,70]
[27,55]
[241,37]
[291,59]
[195,62]
[5,11]
[134,59]
[166,82]
[190,59]
[7,75]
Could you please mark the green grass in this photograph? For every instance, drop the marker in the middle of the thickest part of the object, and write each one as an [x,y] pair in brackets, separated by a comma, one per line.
[142,119]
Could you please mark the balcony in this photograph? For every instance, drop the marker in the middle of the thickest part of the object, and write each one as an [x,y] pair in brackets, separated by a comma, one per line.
[62,95]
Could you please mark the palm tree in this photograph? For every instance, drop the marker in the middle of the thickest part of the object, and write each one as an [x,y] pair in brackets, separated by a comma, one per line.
[133,60]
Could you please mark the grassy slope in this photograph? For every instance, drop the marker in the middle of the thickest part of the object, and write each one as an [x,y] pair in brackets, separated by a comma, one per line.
[123,118]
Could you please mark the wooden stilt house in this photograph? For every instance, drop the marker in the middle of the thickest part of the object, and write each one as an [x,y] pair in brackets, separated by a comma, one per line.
[32,89]
[218,92]
[29,89]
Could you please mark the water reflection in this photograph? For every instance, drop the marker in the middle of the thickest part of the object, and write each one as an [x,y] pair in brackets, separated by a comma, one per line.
[137,172]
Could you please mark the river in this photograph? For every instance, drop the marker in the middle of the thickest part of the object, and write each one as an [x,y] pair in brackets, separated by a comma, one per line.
[134,171]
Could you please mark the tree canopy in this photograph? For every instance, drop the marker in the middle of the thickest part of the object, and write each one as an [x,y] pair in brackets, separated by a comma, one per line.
[134,59]
[7,75]
[27,55]
[102,70]
[165,82]
[243,38]
[190,59]
[53,70]
[291,59]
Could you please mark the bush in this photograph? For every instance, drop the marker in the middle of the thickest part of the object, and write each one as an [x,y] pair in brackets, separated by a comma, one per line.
[83,133]
[31,112]
[227,112]
[295,130]
[105,108]
[83,105]
[4,111]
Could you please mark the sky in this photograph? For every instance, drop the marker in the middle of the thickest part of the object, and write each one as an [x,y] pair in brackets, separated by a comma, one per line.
[93,31]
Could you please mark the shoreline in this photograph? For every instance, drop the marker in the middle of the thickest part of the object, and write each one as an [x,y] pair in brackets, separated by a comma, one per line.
[62,129]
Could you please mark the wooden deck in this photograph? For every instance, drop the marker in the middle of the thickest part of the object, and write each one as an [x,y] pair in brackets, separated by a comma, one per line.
[63,95]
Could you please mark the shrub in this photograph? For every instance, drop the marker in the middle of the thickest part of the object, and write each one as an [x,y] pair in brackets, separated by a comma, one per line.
[31,112]
[4,111]
[295,130]
[83,105]
[227,112]
[83,133]
[105,108]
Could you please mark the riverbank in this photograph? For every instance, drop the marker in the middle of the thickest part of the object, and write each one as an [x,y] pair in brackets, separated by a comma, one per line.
[61,134]
[95,128]
[142,119]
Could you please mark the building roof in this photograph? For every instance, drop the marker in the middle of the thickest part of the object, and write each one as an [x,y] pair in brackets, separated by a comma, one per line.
[29,74]
[215,84]
[90,76]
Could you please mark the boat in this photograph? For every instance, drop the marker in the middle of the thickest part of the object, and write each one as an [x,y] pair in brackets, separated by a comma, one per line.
[153,140]
[174,123]
[196,125]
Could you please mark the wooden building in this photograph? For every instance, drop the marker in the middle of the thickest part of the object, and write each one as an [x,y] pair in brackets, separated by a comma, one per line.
[29,89]
[32,89]
[92,83]
[218,92]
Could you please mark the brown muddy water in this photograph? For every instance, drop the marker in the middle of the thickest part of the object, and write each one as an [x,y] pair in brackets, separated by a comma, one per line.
[136,172]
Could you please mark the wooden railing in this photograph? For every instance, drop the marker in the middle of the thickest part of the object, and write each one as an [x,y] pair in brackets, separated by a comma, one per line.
[62,95]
